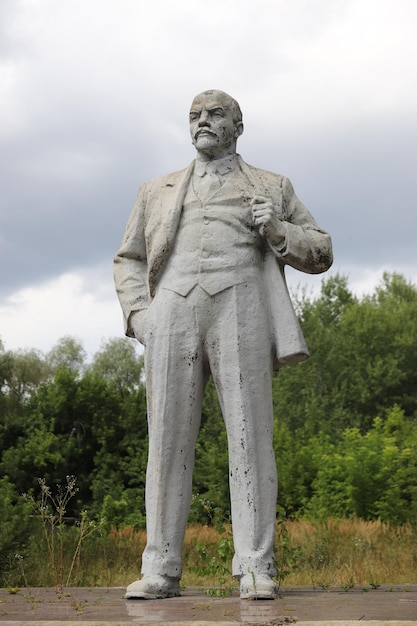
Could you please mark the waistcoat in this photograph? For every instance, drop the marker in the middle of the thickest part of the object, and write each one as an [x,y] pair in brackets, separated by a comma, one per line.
[217,245]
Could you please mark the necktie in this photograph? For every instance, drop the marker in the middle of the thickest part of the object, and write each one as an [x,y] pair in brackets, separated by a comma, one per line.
[207,184]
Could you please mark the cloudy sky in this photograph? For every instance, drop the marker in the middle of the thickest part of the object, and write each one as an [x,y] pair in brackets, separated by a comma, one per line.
[94,99]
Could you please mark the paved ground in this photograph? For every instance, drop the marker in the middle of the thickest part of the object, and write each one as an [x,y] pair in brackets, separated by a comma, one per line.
[99,606]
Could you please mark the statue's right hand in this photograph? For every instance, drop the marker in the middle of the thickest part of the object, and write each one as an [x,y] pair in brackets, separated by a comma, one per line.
[137,323]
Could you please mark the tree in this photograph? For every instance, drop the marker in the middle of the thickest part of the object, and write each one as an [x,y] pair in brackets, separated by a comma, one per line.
[345,420]
[363,359]
[15,527]
[68,353]
[118,477]
[119,362]
[21,371]
[370,475]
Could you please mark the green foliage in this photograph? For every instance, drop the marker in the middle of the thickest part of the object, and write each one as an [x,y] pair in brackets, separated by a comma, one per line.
[21,372]
[214,559]
[287,556]
[67,354]
[214,562]
[363,359]
[211,473]
[298,459]
[345,421]
[371,475]
[86,422]
[335,413]
[15,527]
[118,363]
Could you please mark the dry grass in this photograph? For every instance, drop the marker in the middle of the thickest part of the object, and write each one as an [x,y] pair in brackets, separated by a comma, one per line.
[351,552]
[339,552]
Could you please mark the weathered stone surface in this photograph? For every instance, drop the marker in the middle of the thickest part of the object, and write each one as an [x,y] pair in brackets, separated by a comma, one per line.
[200,278]
[390,605]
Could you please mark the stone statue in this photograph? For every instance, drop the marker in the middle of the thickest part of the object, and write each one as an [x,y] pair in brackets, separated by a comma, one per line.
[200,278]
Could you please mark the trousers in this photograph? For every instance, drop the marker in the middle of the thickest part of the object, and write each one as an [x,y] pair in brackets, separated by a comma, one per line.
[186,339]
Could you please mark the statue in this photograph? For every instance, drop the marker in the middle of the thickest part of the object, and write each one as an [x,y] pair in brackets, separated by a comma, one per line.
[200,279]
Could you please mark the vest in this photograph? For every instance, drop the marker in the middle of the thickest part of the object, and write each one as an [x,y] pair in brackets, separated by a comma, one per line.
[217,245]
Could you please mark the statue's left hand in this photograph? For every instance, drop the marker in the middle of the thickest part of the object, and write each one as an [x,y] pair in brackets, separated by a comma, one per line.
[266,217]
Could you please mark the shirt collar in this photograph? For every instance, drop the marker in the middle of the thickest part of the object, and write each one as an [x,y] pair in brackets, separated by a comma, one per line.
[217,166]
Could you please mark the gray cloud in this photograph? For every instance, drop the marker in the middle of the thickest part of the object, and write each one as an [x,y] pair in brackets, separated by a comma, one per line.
[67,195]
[95,98]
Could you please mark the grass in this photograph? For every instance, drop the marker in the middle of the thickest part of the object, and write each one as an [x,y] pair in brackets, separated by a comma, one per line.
[352,552]
[345,553]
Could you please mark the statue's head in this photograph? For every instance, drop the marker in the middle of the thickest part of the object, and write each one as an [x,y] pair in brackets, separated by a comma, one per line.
[215,124]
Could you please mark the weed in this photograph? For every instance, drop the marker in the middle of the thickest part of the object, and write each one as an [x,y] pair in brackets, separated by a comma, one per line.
[50,509]
[348,586]
[216,565]
[287,556]
[324,585]
[86,528]
[215,558]
[79,605]
[19,559]
[53,523]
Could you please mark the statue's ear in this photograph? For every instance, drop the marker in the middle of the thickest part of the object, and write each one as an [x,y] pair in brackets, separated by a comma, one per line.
[238,129]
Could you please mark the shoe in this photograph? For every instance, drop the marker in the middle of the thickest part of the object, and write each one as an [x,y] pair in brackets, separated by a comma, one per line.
[258,587]
[153,588]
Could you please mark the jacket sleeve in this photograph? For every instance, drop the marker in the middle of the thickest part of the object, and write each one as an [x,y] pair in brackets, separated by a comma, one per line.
[306,246]
[130,263]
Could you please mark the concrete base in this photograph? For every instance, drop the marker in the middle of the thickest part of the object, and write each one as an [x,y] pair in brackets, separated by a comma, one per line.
[388,605]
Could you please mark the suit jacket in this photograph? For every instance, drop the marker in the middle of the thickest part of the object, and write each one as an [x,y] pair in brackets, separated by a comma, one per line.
[150,234]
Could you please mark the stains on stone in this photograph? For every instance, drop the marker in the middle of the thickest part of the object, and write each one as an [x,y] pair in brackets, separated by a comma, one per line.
[323,259]
[192,358]
[318,260]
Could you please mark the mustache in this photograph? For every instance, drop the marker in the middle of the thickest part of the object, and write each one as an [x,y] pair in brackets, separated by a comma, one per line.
[204,130]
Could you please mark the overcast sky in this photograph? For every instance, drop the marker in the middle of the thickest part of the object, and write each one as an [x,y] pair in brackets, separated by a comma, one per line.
[94,100]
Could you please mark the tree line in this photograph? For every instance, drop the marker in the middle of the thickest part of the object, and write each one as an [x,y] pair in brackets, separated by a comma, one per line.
[345,420]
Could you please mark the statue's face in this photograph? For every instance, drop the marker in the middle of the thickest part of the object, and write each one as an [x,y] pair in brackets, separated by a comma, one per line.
[213,130]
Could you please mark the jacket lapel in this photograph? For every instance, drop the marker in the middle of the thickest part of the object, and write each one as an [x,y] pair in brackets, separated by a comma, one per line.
[178,187]
[163,223]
